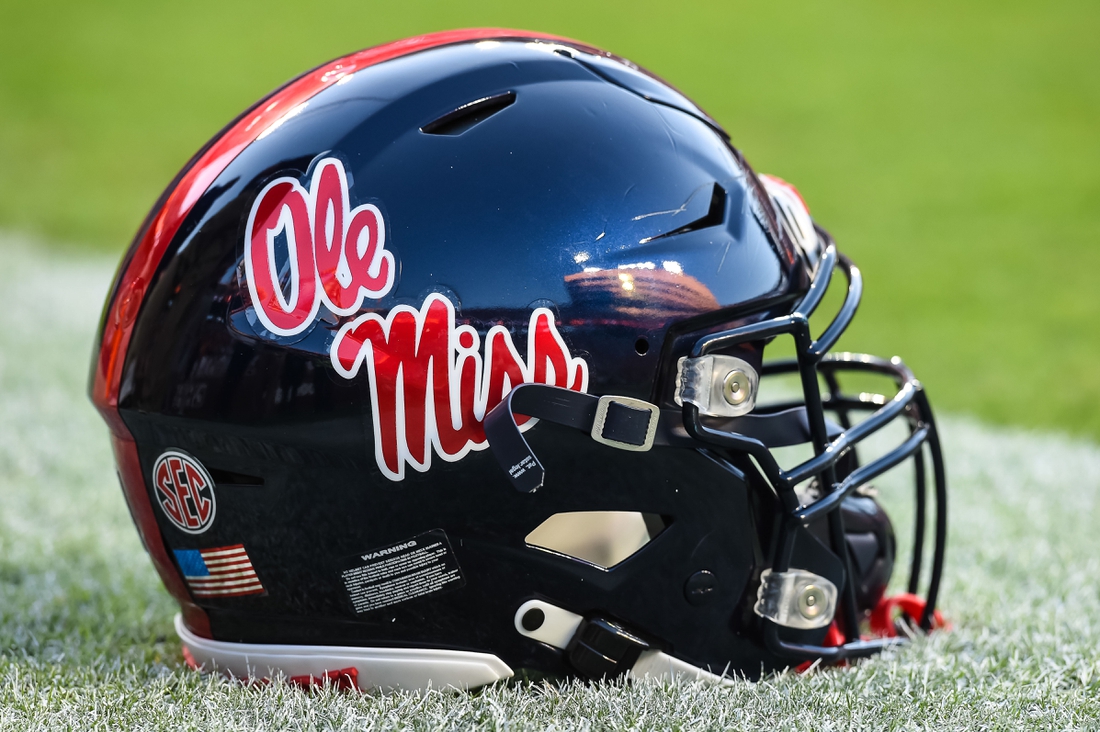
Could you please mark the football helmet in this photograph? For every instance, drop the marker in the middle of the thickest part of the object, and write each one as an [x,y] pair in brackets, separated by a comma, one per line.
[446,362]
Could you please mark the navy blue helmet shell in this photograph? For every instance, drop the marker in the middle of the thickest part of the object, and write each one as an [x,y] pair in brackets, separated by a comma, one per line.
[466,333]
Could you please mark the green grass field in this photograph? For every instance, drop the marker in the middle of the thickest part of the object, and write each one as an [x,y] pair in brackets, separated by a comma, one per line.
[85,628]
[952,148]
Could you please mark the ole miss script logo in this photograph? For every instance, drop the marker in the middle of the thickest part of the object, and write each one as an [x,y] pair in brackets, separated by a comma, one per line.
[184,491]
[431,382]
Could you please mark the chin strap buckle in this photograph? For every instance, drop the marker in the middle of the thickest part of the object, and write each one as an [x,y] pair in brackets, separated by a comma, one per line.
[625,423]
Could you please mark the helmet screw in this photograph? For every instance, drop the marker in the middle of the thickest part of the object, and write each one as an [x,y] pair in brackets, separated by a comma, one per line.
[700,587]
[812,602]
[736,387]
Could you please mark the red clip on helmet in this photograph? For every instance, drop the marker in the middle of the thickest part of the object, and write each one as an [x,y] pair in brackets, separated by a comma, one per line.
[446,360]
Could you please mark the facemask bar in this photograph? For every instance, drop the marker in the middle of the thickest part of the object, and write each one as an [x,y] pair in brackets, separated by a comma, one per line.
[910,402]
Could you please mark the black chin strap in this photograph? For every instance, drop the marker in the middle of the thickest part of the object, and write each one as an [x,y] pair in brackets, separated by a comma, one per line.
[620,422]
[628,424]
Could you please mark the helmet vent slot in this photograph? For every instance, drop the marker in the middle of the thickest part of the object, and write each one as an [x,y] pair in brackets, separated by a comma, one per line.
[601,538]
[468,115]
[715,216]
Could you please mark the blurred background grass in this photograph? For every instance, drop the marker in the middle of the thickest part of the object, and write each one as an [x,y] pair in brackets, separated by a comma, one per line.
[952,148]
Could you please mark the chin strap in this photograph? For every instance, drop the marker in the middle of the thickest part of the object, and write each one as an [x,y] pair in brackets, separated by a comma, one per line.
[620,422]
[624,423]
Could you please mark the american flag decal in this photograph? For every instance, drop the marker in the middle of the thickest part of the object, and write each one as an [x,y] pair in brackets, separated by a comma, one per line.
[224,571]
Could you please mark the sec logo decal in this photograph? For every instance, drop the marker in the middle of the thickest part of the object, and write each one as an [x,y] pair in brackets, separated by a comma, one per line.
[184,491]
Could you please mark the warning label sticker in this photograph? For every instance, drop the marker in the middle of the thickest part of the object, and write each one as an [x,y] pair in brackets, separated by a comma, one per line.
[388,575]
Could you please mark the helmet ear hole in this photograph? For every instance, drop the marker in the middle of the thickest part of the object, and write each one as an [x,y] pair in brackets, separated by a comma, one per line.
[641,346]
